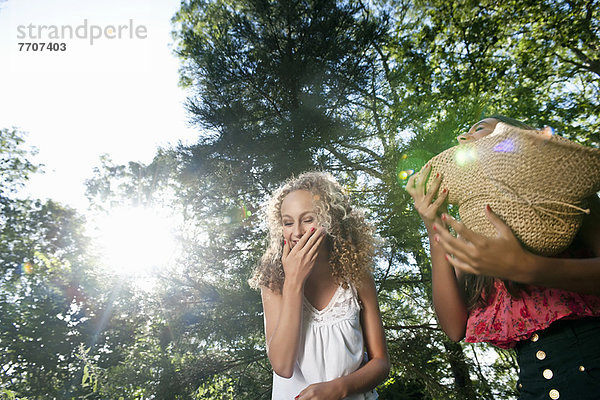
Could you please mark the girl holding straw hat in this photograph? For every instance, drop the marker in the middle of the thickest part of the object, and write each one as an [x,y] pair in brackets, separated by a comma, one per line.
[492,289]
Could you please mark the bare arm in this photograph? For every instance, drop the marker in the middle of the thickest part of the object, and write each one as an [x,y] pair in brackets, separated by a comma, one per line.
[504,257]
[375,370]
[448,299]
[283,311]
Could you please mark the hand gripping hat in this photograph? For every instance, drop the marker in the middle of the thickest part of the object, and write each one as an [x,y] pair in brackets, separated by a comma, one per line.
[538,185]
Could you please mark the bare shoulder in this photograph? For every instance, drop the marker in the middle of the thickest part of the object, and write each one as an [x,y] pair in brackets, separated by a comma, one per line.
[269,295]
[372,324]
[367,291]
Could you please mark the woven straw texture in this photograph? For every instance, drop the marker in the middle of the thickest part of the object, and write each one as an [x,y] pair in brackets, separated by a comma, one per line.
[537,185]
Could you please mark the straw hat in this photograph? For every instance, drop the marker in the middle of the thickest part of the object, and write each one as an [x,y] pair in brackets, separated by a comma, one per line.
[538,185]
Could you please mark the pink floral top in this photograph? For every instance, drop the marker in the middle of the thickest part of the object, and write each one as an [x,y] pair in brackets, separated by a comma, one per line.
[507,320]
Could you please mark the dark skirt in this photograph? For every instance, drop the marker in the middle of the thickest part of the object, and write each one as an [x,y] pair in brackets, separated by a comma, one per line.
[561,362]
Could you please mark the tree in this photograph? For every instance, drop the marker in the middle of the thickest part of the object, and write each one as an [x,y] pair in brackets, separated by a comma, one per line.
[54,300]
[368,91]
[277,77]
[536,60]
[426,71]
[238,60]
[39,289]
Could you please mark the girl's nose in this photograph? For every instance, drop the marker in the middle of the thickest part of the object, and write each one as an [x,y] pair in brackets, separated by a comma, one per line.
[463,137]
[298,231]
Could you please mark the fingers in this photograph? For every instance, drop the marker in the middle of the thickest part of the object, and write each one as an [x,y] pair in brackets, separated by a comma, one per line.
[501,227]
[286,249]
[421,180]
[433,190]
[308,239]
[314,247]
[461,229]
[307,393]
[414,183]
[458,247]
[302,393]
[417,188]
[440,199]
[461,265]
[304,239]
[410,184]
[317,235]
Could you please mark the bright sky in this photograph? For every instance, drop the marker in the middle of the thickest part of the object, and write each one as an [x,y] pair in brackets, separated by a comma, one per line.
[117,96]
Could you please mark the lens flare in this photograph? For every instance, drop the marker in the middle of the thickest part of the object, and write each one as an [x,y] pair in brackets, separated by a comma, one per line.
[404,175]
[505,146]
[410,162]
[237,214]
[465,156]
[245,213]
[27,268]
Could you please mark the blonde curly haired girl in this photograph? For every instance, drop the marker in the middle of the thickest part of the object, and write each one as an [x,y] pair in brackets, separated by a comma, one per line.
[319,298]
[349,237]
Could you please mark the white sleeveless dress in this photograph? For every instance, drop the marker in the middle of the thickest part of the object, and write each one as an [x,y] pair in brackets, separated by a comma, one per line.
[333,346]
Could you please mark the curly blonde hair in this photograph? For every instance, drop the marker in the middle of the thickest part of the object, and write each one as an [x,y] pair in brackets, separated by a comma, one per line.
[350,238]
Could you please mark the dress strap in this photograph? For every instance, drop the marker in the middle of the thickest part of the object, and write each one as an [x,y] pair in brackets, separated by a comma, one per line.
[356,297]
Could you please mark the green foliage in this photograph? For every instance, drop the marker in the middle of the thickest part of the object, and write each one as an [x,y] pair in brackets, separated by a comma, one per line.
[426,72]
[15,166]
[218,389]
[533,60]
[397,388]
[90,376]
[6,394]
[137,184]
[274,77]
[365,91]
[44,284]
[53,298]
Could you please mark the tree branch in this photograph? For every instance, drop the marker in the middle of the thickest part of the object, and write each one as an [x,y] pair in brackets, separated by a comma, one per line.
[347,161]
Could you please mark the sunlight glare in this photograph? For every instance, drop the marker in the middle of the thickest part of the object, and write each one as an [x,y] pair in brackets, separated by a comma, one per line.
[136,241]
